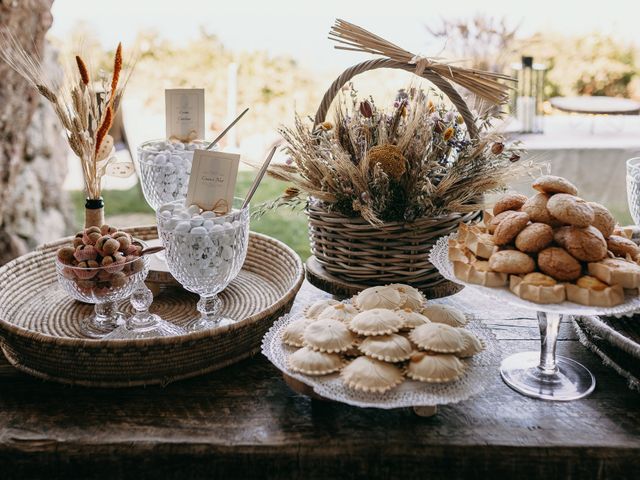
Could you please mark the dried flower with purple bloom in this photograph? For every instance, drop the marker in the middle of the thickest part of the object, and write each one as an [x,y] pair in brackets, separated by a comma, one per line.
[449,116]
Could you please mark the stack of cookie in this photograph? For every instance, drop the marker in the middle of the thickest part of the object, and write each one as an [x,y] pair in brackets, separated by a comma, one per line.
[386,334]
[551,247]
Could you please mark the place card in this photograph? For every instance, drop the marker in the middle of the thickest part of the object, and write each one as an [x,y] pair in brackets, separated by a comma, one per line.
[213,180]
[184,114]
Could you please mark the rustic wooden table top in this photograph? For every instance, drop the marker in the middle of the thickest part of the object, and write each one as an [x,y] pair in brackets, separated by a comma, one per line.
[244,422]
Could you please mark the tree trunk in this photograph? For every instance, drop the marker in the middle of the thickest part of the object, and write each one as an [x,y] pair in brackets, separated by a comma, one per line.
[33,207]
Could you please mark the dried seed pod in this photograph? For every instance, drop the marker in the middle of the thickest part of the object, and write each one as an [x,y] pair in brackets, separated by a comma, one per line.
[85,252]
[84,272]
[107,229]
[91,235]
[111,246]
[66,255]
[123,239]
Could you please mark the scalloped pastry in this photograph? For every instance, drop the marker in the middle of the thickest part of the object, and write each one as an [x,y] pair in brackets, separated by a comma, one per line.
[341,311]
[388,348]
[292,333]
[411,319]
[328,335]
[438,337]
[434,368]
[378,321]
[413,298]
[310,362]
[473,345]
[370,375]
[445,314]
[378,297]
[316,308]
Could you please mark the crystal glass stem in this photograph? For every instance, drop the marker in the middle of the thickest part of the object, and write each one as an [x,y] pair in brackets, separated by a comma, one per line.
[549,324]
[209,306]
[543,374]
[103,321]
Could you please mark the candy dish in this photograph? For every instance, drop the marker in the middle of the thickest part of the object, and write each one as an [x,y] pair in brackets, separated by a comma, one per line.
[102,286]
[204,252]
[165,167]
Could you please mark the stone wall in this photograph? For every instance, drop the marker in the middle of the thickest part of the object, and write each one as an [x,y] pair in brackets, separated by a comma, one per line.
[33,152]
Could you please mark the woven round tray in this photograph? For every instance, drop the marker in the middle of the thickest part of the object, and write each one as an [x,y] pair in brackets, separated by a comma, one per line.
[354,251]
[39,322]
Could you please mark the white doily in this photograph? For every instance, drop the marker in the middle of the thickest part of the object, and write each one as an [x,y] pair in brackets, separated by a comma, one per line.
[439,257]
[478,373]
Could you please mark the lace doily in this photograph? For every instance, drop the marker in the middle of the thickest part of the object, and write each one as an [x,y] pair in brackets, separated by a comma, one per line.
[478,373]
[439,257]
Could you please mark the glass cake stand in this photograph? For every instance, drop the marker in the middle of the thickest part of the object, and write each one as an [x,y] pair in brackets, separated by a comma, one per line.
[540,374]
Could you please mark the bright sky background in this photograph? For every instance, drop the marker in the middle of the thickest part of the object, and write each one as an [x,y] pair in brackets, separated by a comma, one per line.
[299,27]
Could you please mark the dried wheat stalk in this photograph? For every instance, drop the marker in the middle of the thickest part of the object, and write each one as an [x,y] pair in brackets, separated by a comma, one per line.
[85,114]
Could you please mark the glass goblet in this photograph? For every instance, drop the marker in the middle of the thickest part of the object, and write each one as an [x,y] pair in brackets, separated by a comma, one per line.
[164,174]
[205,263]
[104,287]
[633,188]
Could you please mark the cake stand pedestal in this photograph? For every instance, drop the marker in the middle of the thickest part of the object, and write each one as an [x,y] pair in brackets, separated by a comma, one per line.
[538,374]
[543,374]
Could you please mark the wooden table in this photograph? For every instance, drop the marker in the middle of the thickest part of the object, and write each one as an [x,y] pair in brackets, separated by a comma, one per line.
[244,422]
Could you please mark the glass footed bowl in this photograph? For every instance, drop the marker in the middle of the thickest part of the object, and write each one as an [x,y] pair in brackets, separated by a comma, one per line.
[165,177]
[103,287]
[205,263]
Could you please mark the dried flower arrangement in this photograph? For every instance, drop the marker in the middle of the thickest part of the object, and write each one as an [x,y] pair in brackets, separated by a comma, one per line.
[399,165]
[420,158]
[85,112]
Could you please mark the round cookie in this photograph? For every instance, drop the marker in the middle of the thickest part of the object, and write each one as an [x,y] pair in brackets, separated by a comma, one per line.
[509,201]
[534,238]
[511,261]
[552,184]
[621,246]
[495,221]
[586,244]
[602,220]
[557,263]
[571,210]
[536,208]
[510,227]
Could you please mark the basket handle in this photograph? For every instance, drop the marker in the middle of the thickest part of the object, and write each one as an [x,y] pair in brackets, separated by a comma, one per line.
[440,82]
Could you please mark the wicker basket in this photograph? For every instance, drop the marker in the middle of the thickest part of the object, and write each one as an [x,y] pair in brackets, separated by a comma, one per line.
[39,323]
[353,250]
